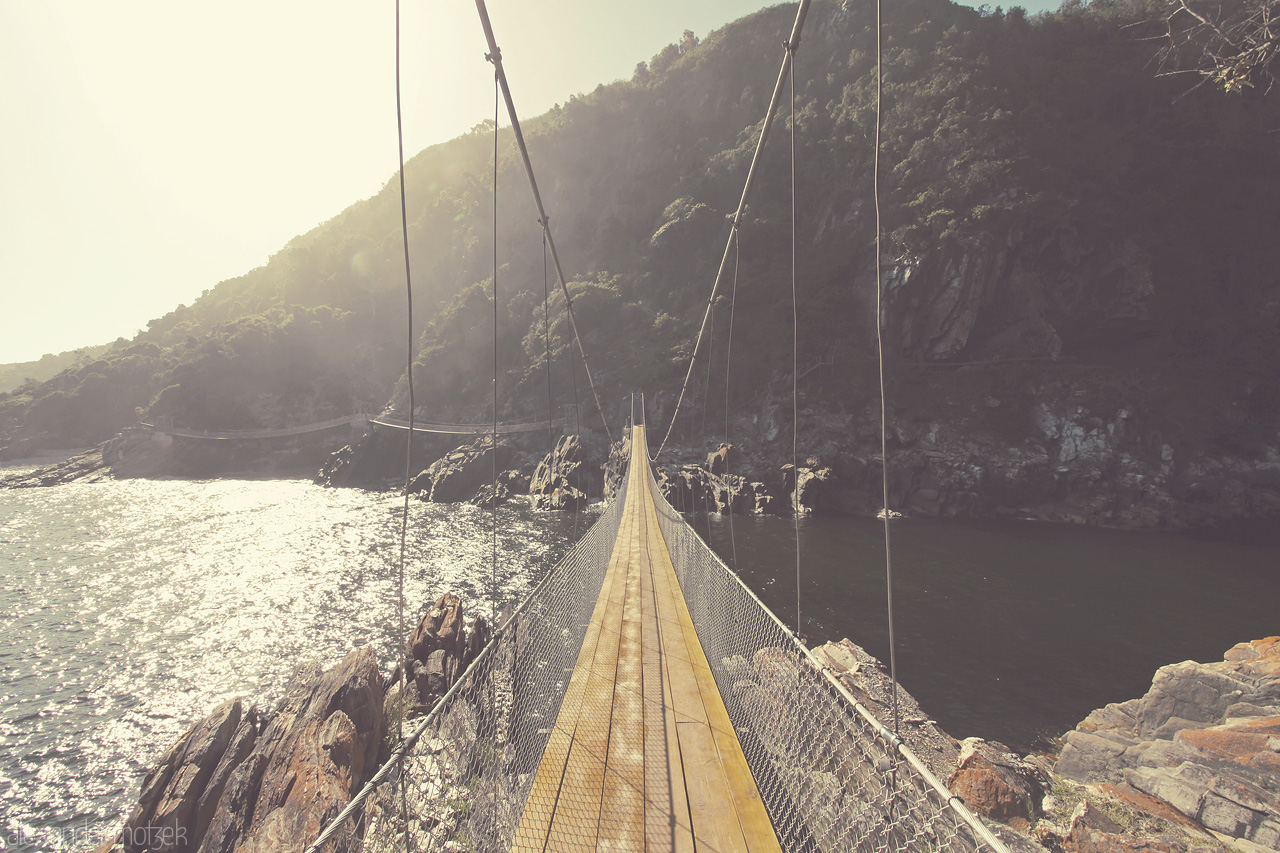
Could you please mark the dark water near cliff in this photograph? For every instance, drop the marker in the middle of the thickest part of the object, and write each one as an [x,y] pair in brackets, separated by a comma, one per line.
[1012,631]
[128,610]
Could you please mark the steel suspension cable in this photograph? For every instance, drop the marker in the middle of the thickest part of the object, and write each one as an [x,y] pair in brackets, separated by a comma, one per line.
[793,42]
[577,421]
[706,404]
[546,335]
[493,448]
[495,56]
[706,390]
[795,358]
[728,361]
[884,411]
[408,454]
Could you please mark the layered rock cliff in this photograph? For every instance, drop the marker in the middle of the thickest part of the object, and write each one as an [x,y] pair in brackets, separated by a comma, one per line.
[262,779]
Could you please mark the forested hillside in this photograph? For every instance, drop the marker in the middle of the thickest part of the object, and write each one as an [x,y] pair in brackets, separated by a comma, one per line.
[1100,234]
[14,376]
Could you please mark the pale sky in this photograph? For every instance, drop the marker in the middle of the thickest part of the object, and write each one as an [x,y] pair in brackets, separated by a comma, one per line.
[150,149]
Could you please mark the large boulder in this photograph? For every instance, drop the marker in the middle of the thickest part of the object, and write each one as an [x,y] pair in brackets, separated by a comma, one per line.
[441,628]
[997,784]
[163,818]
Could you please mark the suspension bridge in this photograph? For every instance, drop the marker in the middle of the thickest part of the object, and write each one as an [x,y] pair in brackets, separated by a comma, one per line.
[358,423]
[642,698]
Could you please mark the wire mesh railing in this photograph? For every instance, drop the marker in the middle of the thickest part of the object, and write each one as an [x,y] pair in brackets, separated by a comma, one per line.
[832,777]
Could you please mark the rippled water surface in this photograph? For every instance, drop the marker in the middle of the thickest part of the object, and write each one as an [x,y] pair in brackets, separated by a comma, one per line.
[130,609]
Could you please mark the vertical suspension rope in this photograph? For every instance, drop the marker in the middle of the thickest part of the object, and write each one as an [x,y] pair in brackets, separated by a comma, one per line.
[495,56]
[795,351]
[408,460]
[493,449]
[728,361]
[577,416]
[884,411]
[706,404]
[793,41]
[546,329]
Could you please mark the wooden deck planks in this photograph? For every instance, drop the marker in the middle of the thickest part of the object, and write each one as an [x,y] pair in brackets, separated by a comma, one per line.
[643,756]
[540,808]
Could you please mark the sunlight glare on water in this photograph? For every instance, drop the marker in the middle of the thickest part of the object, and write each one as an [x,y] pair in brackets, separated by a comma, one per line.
[131,609]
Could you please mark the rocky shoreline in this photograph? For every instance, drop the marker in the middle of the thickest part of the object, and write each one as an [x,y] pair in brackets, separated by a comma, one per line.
[1191,767]
[271,779]
[1071,465]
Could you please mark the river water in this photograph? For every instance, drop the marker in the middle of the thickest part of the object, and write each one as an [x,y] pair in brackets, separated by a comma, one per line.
[1011,631]
[130,609]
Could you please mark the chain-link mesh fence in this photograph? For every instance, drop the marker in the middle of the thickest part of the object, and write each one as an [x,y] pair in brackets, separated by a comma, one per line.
[832,778]
[464,773]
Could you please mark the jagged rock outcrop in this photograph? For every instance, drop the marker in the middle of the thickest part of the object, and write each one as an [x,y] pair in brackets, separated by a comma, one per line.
[687,488]
[692,488]
[265,781]
[491,494]
[459,474]
[88,467]
[349,465]
[1073,460]
[563,480]
[615,465]
[135,452]
[378,460]
[436,654]
[725,459]
[1205,739]
[714,488]
[807,487]
[868,680]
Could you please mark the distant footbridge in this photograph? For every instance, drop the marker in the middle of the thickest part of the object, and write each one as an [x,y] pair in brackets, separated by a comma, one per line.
[359,423]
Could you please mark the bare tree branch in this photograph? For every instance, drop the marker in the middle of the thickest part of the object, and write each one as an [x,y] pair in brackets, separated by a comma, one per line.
[1232,44]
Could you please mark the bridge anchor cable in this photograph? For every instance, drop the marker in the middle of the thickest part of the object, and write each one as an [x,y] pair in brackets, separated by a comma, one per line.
[495,56]
[784,72]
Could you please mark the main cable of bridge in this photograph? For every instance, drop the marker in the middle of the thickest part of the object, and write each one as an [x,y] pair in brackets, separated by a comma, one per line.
[408,452]
[792,44]
[495,57]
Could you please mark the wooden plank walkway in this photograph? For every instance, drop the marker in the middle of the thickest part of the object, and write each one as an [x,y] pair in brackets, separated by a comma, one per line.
[643,756]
